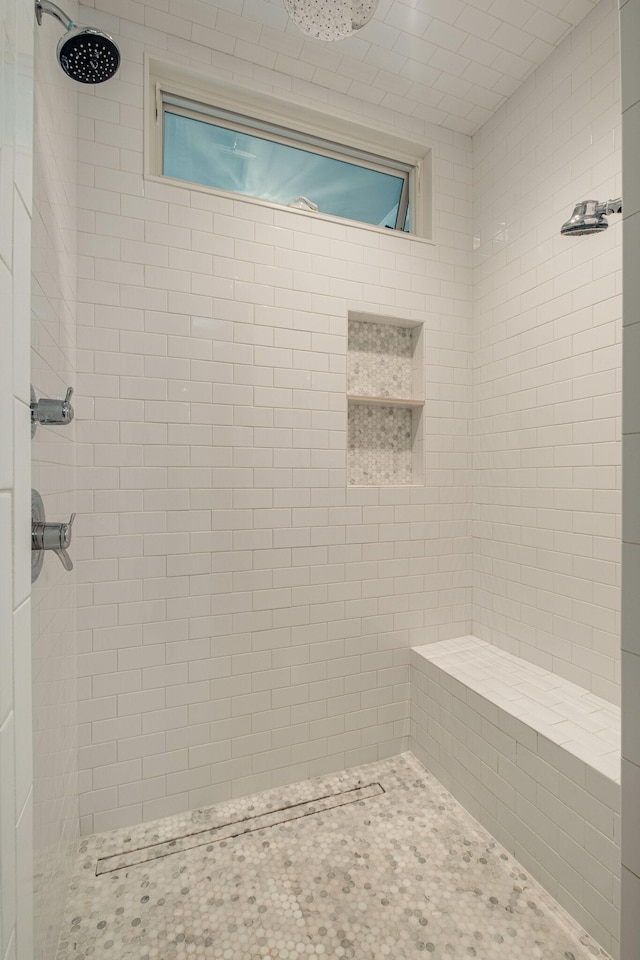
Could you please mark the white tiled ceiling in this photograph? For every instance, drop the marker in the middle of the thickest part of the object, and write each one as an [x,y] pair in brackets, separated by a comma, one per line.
[448,61]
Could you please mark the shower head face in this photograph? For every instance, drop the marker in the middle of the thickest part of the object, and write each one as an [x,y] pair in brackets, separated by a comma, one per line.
[88,55]
[586,219]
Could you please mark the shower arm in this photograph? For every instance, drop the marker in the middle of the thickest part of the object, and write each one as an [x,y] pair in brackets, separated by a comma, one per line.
[611,206]
[46,6]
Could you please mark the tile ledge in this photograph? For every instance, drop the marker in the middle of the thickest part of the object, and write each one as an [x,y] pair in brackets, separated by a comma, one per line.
[494,674]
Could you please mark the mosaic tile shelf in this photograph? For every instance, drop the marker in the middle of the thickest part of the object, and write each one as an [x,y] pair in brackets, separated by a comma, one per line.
[389,876]
[384,389]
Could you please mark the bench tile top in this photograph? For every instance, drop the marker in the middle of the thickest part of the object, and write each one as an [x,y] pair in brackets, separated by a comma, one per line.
[563,712]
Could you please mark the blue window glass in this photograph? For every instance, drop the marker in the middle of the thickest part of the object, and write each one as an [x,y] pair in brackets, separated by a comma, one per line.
[245,163]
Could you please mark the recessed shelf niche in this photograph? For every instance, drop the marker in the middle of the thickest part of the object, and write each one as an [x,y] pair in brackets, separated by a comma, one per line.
[385,391]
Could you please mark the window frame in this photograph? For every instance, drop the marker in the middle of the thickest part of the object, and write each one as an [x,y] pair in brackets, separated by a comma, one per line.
[272,118]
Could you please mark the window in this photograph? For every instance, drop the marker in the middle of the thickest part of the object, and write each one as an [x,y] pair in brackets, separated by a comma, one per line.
[354,173]
[274,165]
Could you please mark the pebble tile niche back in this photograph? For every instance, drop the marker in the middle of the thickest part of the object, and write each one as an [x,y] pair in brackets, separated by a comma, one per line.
[385,390]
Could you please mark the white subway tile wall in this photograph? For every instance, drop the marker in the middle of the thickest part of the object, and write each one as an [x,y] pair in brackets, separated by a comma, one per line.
[244,618]
[630,924]
[16,793]
[547,366]
[54,258]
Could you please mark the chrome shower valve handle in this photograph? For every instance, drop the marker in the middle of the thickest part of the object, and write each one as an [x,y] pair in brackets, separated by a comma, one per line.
[53,412]
[55,537]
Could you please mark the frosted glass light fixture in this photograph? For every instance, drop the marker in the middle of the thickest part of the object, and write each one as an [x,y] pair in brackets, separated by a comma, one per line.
[330,19]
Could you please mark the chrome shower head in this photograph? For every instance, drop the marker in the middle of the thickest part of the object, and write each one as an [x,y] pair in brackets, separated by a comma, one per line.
[88,55]
[589,217]
[85,54]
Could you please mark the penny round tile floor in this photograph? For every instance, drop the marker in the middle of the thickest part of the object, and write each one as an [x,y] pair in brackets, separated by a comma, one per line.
[318,869]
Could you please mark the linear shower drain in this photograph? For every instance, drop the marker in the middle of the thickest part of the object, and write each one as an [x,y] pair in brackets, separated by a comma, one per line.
[235,828]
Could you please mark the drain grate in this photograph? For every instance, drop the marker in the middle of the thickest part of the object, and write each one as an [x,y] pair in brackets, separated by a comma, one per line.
[235,828]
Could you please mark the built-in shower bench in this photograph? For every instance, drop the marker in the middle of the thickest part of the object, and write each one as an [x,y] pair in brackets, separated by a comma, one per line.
[536,759]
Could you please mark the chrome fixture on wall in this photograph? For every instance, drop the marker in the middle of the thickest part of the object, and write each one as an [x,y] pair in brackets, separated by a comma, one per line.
[330,19]
[48,536]
[85,54]
[589,216]
[52,412]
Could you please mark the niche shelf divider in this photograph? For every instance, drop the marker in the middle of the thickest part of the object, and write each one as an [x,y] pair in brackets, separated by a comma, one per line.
[385,391]
[384,401]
